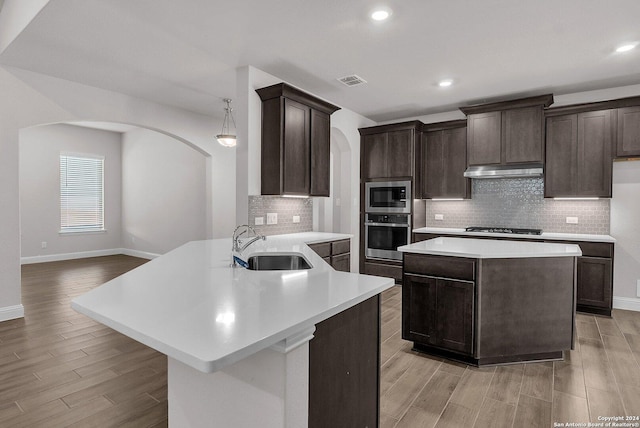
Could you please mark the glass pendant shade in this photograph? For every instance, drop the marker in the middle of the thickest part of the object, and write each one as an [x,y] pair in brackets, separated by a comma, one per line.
[227,138]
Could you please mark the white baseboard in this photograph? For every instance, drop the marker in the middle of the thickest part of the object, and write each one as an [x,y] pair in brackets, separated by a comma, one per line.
[137,253]
[86,254]
[11,312]
[628,303]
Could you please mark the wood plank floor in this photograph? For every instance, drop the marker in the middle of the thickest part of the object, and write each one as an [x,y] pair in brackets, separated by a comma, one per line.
[601,377]
[59,368]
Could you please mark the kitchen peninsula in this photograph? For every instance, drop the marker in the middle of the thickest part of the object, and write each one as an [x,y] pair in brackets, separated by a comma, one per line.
[238,340]
[489,302]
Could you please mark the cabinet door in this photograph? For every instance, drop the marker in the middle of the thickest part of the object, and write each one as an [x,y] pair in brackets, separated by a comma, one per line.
[433,177]
[560,173]
[344,368]
[374,161]
[483,138]
[296,146]
[320,153]
[419,309]
[594,154]
[628,142]
[594,282]
[454,315]
[454,150]
[522,135]
[341,262]
[400,153]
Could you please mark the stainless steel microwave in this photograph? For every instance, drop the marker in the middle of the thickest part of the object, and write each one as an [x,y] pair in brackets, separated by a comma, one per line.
[392,197]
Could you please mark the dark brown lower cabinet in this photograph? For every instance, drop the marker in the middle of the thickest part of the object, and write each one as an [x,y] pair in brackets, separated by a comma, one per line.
[344,368]
[489,311]
[441,312]
[594,282]
[336,253]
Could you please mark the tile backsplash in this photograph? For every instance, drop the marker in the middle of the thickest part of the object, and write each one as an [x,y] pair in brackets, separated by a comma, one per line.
[286,208]
[520,202]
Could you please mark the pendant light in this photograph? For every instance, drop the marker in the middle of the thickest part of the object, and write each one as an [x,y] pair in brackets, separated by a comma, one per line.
[226,138]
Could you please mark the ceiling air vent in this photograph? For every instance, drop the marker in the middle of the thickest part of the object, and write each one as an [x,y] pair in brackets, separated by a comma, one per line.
[352,80]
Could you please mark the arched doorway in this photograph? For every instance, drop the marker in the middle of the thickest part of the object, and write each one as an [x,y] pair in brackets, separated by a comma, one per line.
[156,190]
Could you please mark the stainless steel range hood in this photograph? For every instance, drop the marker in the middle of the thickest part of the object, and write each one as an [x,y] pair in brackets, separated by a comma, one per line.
[504,171]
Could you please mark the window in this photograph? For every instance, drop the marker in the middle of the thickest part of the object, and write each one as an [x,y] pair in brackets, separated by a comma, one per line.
[81,193]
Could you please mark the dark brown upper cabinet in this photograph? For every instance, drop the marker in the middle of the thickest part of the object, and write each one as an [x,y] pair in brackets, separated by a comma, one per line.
[504,133]
[388,150]
[443,160]
[296,131]
[628,138]
[578,154]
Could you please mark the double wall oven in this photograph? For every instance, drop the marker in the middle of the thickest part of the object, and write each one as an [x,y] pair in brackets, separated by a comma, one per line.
[387,218]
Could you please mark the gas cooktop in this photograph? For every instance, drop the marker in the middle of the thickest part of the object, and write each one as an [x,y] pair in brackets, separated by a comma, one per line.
[504,230]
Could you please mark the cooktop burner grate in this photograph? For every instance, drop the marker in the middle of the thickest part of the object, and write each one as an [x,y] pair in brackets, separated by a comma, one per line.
[504,230]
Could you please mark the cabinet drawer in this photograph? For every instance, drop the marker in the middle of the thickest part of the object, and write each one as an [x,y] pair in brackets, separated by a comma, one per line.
[341,262]
[390,271]
[323,249]
[340,247]
[440,266]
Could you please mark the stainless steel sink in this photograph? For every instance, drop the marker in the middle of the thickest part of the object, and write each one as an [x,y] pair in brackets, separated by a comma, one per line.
[278,262]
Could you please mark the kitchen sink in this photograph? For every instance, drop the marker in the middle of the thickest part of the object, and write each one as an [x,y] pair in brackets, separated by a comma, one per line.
[278,262]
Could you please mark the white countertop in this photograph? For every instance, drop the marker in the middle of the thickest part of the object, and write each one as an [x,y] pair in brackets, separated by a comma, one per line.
[490,249]
[544,235]
[192,306]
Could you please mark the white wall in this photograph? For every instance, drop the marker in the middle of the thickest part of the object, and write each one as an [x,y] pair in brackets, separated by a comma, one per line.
[31,99]
[625,227]
[163,192]
[40,149]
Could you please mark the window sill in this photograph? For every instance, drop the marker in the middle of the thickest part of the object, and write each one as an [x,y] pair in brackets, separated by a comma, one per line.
[82,232]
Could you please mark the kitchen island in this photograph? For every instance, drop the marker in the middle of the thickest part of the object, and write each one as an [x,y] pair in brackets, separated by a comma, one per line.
[237,340]
[489,302]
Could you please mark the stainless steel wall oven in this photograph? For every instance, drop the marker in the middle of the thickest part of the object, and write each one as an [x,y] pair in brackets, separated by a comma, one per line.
[384,233]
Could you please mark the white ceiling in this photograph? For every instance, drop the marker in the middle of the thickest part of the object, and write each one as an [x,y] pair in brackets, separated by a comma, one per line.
[185,53]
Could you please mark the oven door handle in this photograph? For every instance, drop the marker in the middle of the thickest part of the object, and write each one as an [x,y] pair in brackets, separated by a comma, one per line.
[388,224]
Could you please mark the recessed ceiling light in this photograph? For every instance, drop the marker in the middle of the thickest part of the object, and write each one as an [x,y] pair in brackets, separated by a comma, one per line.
[445,83]
[626,48]
[380,14]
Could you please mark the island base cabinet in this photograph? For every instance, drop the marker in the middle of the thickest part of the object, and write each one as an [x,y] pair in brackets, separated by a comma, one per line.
[344,368]
[440,312]
[491,310]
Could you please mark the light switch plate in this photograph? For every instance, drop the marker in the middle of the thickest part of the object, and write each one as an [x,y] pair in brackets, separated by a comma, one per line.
[272,218]
[439,217]
[572,220]
[296,219]
[259,221]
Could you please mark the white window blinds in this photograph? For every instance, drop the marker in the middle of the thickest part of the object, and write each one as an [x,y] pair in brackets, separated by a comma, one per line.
[81,193]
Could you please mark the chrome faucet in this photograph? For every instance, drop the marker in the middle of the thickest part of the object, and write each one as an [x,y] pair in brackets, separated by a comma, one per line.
[236,237]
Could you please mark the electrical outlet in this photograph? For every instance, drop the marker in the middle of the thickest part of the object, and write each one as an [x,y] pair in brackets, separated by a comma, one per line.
[296,219]
[439,217]
[259,221]
[272,218]
[44,244]
[133,239]
[572,220]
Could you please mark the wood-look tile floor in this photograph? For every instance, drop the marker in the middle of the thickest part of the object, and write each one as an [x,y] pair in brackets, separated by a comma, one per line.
[601,377]
[59,368]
